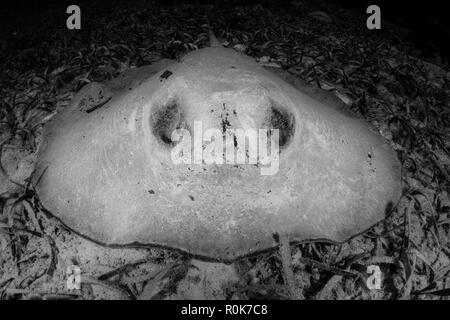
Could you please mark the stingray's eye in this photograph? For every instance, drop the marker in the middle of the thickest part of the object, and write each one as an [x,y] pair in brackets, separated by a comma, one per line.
[164,120]
[283,120]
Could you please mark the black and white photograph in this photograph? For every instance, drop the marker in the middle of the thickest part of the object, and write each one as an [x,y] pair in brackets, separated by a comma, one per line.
[237,151]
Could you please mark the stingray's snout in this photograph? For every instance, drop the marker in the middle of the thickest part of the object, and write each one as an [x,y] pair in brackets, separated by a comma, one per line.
[171,116]
[222,127]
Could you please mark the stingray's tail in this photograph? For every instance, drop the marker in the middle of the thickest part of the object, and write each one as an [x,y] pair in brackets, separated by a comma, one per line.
[213,42]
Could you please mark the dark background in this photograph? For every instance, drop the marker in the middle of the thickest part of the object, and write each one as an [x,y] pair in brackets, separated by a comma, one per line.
[424,23]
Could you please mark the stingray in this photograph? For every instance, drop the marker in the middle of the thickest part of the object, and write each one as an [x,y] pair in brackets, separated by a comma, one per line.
[106,166]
